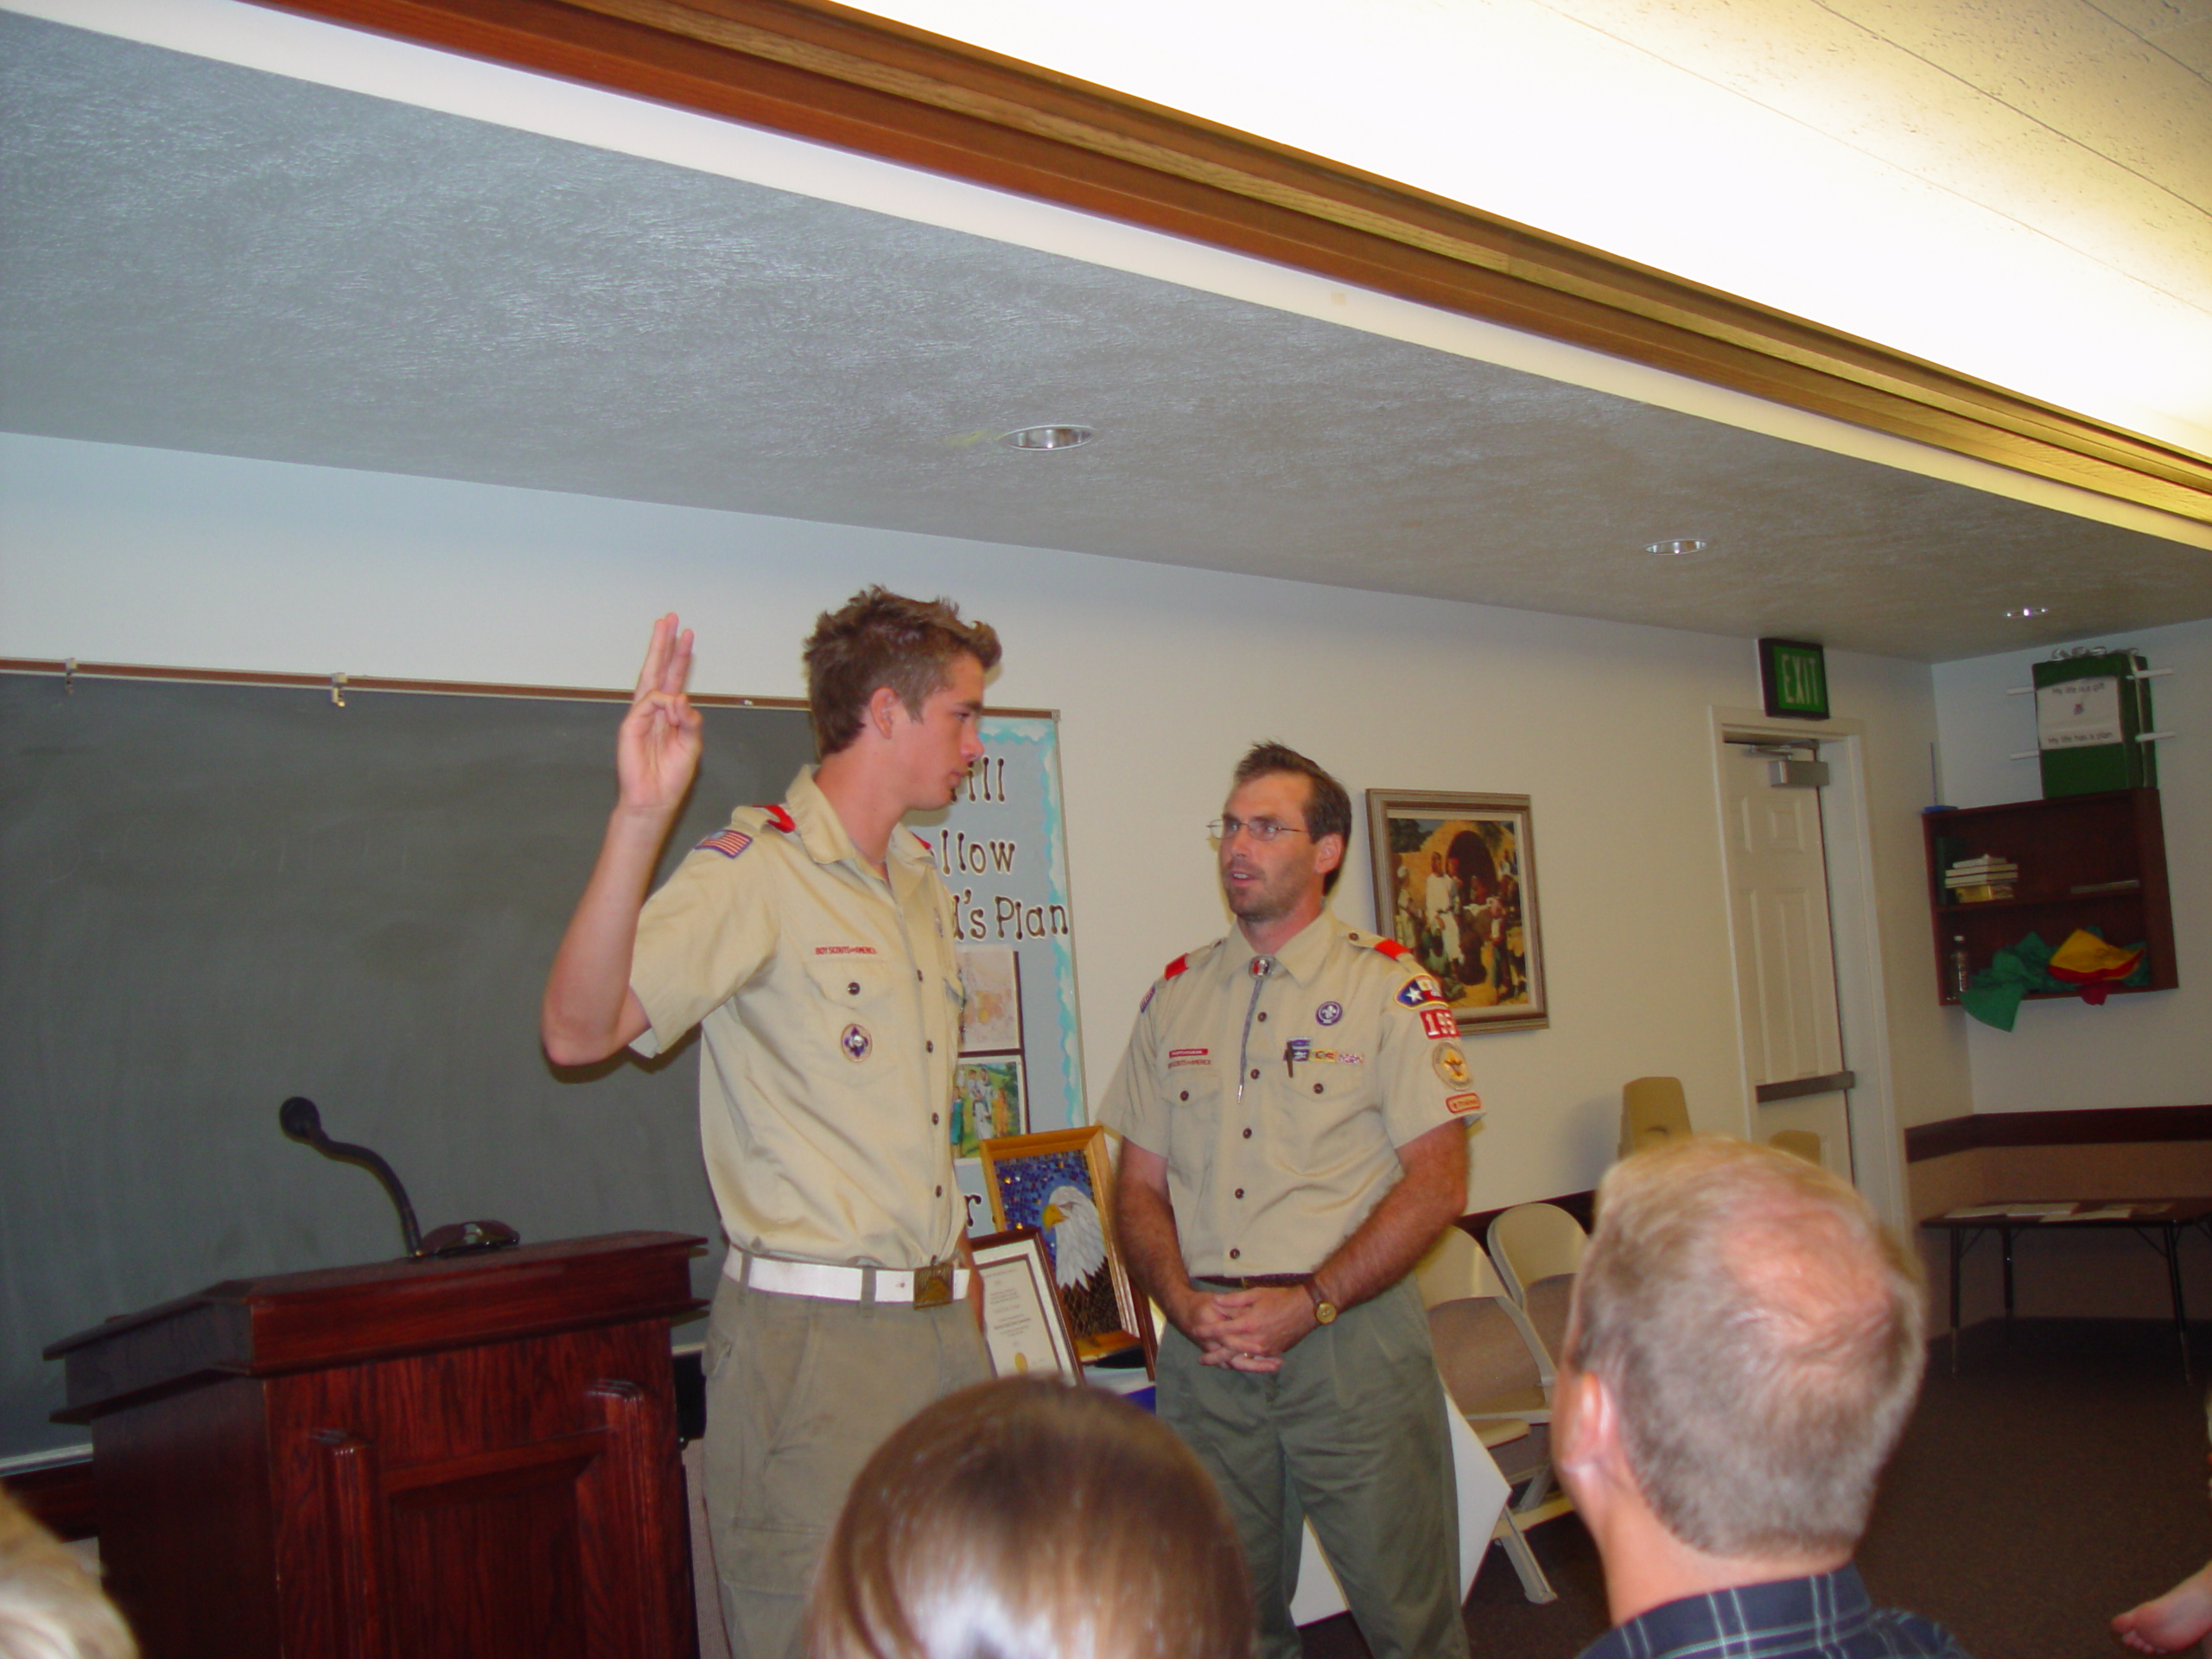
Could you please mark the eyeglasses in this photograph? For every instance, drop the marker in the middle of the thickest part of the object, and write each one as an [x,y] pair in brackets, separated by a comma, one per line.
[1225,829]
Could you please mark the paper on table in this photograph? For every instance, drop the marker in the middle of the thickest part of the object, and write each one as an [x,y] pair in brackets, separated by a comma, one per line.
[2102,1212]
[1981,1211]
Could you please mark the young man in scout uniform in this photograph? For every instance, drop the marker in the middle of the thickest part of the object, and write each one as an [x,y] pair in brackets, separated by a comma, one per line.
[813,941]
[1294,1105]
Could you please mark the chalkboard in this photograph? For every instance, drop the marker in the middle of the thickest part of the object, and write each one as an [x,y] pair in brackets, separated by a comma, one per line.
[213,897]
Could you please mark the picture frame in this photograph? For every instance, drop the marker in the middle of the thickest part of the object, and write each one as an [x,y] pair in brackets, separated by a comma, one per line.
[1455,883]
[1025,1327]
[990,1016]
[989,1101]
[1061,1182]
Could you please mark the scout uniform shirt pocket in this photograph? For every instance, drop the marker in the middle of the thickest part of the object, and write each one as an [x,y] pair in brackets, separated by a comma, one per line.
[853,997]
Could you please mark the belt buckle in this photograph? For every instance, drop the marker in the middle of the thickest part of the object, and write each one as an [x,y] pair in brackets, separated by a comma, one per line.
[933,1285]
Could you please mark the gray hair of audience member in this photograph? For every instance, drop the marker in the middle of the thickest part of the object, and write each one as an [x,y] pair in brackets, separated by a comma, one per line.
[1763,1337]
[1026,1519]
[50,1606]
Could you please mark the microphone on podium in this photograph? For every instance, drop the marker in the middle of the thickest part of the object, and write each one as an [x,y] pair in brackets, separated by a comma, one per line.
[300,1122]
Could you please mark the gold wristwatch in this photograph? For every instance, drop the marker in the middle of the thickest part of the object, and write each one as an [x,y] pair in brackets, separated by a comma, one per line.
[1325,1310]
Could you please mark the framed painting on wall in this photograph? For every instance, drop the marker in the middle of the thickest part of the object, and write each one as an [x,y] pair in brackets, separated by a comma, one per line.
[1455,883]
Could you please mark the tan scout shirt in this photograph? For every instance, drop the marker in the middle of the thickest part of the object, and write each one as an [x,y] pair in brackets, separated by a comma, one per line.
[1280,1101]
[830,1004]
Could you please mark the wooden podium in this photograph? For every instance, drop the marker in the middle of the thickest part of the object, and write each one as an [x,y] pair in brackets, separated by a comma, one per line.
[472,1458]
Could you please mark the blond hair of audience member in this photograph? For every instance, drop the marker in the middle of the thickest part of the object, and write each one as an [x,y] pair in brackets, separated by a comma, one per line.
[50,1606]
[1024,1519]
[1763,1334]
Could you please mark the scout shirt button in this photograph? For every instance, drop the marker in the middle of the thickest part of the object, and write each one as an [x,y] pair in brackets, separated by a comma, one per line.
[940,1191]
[1255,1070]
[852,989]
[1240,1191]
[1186,1095]
[1317,1087]
[1248,1134]
[1263,1019]
[1233,1254]
[932,1118]
[930,1047]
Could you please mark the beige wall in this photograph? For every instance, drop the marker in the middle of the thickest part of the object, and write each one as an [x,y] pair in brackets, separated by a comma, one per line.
[1162,675]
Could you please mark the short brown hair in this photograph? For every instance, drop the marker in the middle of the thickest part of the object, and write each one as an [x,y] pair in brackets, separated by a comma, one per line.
[1328,809]
[1026,1519]
[1761,1334]
[877,638]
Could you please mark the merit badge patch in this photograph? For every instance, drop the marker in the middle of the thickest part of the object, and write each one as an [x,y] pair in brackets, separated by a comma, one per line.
[729,844]
[856,1042]
[1451,1064]
[1420,991]
[1328,1013]
[1440,1024]
[1187,1057]
[1458,1104]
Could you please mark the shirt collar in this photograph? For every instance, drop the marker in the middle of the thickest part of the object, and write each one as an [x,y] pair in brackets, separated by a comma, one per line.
[1825,1608]
[1301,958]
[822,832]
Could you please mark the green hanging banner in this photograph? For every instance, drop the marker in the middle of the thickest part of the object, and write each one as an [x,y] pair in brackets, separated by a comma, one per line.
[2091,713]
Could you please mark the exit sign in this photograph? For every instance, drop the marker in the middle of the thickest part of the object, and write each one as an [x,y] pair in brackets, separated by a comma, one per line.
[1795,677]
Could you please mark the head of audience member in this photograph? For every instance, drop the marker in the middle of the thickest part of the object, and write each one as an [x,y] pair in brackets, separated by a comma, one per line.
[1024,1519]
[879,639]
[1746,1345]
[50,1606]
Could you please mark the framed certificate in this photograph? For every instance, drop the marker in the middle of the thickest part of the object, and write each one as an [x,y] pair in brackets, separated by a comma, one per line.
[1024,1324]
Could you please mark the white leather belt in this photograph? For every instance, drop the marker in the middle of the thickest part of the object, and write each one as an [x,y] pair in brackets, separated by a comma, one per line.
[930,1287]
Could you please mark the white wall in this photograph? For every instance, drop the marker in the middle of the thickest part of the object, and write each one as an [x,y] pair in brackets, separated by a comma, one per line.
[2135,1050]
[1162,675]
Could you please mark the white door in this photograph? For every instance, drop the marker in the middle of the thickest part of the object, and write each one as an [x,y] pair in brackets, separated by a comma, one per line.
[1785,958]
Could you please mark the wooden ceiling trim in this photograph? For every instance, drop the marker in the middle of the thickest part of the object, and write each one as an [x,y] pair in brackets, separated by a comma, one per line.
[822,72]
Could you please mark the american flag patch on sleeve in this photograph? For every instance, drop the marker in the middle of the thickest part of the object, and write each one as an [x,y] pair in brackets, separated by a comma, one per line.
[729,844]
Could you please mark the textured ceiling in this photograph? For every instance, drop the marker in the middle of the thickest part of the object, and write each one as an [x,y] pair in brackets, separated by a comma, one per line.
[206,257]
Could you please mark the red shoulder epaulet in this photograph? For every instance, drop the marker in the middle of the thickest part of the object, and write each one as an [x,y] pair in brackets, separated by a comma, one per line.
[1390,947]
[1176,966]
[781,819]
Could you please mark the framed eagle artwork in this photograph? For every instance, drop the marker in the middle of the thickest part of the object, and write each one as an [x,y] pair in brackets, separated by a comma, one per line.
[1062,1183]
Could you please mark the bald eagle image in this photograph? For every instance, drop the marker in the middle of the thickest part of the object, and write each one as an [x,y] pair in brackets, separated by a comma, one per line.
[1075,1235]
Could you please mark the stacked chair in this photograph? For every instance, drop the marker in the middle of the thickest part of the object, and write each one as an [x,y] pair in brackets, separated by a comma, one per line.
[1499,1373]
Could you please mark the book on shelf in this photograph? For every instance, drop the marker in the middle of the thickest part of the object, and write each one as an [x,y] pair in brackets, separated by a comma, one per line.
[1980,895]
[1982,870]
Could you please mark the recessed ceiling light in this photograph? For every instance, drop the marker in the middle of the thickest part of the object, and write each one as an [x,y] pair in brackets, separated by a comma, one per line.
[1675,550]
[1047,437]
[2022,612]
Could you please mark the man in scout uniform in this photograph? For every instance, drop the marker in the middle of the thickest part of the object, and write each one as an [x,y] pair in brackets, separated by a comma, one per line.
[1294,1105]
[813,942]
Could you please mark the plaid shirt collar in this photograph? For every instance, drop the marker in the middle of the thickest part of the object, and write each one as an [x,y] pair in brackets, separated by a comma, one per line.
[1826,1617]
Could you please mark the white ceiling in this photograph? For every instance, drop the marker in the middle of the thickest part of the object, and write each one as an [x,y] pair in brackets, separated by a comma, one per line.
[206,257]
[2021,190]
